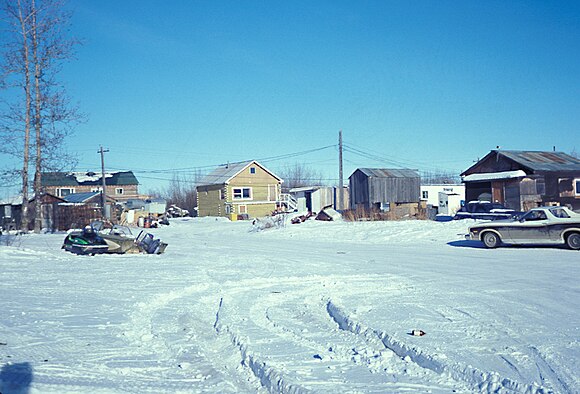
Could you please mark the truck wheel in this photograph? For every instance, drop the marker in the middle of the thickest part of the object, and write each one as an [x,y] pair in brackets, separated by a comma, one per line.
[573,241]
[491,240]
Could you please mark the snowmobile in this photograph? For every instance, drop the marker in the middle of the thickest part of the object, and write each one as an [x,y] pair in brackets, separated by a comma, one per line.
[86,241]
[95,239]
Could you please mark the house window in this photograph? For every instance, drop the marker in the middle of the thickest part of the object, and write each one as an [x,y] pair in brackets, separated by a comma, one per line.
[577,187]
[425,194]
[119,190]
[96,189]
[242,209]
[252,170]
[242,193]
[222,194]
[63,192]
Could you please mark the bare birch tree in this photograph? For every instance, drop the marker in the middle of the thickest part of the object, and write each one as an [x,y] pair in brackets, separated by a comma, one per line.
[17,61]
[33,61]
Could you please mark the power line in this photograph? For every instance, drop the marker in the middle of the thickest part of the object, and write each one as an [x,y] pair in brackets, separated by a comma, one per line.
[198,168]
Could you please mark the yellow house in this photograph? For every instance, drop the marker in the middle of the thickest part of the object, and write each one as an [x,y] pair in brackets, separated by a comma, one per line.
[246,188]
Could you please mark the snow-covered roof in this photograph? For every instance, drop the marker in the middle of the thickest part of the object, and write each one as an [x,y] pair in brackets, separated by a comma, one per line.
[491,176]
[117,178]
[90,176]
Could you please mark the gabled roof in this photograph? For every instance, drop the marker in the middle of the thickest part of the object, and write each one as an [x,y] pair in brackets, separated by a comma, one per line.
[535,160]
[388,172]
[120,178]
[224,174]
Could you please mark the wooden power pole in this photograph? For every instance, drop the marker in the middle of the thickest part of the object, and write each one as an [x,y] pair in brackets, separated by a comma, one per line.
[340,175]
[104,193]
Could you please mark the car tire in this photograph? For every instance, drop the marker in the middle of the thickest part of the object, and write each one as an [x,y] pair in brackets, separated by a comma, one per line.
[490,240]
[573,241]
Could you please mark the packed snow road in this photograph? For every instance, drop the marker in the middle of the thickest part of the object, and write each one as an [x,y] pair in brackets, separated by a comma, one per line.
[315,307]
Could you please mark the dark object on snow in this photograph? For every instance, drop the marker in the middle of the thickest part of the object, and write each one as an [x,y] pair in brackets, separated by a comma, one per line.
[86,241]
[117,240]
[147,243]
[485,210]
[301,218]
[328,214]
[417,333]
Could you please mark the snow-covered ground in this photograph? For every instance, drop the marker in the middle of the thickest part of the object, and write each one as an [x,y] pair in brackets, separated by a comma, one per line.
[315,307]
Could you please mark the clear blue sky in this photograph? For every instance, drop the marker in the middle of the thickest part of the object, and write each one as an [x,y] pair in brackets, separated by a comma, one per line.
[420,84]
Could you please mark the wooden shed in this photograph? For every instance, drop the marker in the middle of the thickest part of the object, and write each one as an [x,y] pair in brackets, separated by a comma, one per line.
[524,179]
[379,188]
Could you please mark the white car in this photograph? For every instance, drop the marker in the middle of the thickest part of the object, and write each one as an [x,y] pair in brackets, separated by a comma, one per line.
[538,226]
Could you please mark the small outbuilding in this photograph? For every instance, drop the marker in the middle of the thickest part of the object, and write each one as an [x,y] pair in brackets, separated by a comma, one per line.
[524,179]
[381,188]
[316,198]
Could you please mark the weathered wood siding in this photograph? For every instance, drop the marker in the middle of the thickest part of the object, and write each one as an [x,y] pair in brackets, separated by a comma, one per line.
[395,189]
[366,191]
[538,188]
[359,190]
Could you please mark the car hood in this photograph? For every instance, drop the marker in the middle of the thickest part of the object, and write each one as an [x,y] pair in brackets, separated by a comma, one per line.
[494,223]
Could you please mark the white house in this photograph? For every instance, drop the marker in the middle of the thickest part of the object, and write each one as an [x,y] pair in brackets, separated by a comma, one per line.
[430,193]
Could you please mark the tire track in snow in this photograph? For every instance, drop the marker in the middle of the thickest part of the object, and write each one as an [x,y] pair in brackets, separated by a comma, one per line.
[274,321]
[170,324]
[481,381]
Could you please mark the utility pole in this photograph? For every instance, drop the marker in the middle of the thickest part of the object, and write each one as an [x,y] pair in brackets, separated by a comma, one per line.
[104,193]
[340,177]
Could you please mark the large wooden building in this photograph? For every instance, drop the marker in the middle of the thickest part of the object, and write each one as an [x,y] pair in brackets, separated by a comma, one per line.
[121,185]
[380,188]
[524,179]
[246,189]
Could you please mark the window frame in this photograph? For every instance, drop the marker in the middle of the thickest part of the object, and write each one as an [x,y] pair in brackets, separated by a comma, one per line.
[60,189]
[240,195]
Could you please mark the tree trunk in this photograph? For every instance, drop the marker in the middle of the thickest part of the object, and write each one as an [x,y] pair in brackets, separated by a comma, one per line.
[28,109]
[38,213]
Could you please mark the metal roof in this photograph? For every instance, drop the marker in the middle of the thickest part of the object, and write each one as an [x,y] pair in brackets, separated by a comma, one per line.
[80,197]
[543,161]
[389,172]
[224,174]
[120,178]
